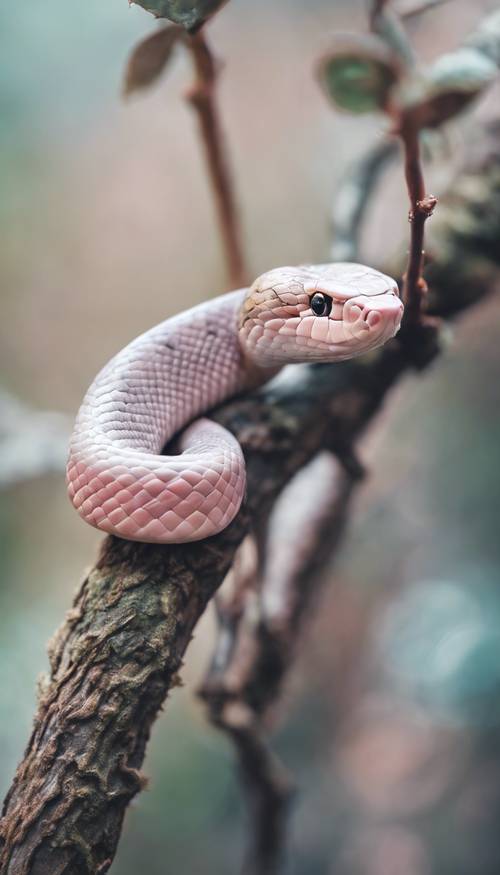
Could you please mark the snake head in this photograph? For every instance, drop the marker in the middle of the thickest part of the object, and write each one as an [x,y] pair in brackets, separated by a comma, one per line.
[320,313]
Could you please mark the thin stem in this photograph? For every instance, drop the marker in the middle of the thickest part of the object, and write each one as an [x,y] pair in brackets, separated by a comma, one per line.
[421,207]
[202,98]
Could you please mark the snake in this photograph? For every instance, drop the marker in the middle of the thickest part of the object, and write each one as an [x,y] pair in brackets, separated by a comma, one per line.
[154,393]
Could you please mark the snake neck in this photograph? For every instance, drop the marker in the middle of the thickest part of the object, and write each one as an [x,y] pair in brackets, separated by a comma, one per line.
[253,309]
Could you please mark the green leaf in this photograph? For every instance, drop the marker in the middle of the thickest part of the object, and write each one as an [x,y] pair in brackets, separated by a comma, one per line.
[189,13]
[359,73]
[446,89]
[150,57]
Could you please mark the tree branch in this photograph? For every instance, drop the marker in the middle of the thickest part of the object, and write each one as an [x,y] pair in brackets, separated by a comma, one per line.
[120,649]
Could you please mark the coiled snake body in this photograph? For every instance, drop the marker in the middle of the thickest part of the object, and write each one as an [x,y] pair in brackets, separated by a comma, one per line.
[167,377]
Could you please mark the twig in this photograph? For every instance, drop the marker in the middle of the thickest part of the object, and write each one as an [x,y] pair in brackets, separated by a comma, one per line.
[202,97]
[120,648]
[421,207]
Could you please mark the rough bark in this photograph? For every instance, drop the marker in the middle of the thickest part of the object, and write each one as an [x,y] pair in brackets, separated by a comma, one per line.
[120,648]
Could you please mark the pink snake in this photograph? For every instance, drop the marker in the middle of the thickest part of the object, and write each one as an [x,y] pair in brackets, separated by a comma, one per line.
[162,381]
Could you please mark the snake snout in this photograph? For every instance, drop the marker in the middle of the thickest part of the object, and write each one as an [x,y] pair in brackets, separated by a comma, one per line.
[379,315]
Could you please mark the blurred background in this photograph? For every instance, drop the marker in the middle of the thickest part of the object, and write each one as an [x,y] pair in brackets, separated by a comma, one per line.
[391,719]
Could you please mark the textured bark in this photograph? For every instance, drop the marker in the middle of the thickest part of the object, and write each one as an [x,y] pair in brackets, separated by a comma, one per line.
[120,648]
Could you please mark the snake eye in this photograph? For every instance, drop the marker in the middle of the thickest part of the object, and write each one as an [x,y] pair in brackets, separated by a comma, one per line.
[321,304]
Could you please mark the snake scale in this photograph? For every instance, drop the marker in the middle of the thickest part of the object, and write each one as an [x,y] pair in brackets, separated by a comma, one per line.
[159,385]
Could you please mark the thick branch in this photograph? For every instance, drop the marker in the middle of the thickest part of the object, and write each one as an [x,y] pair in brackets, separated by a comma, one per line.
[202,98]
[120,648]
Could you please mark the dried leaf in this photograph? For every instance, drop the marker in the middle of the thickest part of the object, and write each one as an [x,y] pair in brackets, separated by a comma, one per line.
[358,73]
[150,57]
[446,89]
[189,13]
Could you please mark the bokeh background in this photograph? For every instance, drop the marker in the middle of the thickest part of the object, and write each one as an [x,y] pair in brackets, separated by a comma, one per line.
[391,718]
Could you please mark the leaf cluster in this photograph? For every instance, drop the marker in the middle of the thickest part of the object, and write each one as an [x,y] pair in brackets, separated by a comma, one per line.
[375,73]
